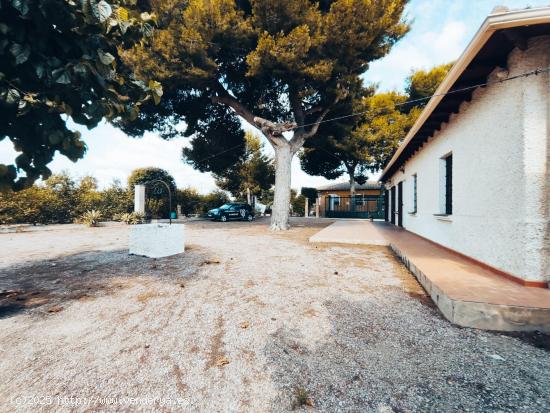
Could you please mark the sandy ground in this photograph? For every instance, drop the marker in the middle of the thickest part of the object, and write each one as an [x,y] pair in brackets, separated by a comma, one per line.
[245,320]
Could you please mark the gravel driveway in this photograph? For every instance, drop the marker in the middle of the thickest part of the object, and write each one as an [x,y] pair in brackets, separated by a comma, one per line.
[245,321]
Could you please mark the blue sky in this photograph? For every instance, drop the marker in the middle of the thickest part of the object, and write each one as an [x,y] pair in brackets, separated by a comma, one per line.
[441,29]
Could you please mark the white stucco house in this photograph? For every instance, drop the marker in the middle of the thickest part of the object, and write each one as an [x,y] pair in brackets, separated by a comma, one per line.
[473,174]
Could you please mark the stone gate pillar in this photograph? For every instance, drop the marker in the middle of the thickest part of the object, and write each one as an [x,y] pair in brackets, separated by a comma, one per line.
[139,199]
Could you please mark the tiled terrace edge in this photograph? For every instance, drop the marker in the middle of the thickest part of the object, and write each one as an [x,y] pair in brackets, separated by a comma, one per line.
[481,315]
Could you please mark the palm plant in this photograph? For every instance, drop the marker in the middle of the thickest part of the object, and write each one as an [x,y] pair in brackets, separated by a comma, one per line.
[91,218]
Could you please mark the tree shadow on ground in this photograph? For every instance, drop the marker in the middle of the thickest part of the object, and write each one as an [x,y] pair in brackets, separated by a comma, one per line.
[81,276]
[390,355]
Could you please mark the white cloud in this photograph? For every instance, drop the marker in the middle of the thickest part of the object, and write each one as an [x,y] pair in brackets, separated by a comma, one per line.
[418,51]
[111,154]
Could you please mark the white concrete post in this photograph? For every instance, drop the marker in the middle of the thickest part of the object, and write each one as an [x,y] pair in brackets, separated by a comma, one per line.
[317,206]
[139,199]
[306,209]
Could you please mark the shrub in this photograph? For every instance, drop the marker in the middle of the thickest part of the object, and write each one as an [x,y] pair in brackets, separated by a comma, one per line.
[298,205]
[157,208]
[157,195]
[91,218]
[132,218]
[213,200]
[189,200]
[116,200]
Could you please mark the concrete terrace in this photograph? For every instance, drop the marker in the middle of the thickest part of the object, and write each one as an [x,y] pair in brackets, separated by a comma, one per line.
[467,293]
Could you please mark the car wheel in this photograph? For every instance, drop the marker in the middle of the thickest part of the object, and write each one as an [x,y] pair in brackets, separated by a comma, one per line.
[223,218]
[250,217]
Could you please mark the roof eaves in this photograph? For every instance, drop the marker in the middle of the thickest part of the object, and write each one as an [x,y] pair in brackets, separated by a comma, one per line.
[492,23]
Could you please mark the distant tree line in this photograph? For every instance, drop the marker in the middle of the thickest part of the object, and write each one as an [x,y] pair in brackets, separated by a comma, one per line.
[64,199]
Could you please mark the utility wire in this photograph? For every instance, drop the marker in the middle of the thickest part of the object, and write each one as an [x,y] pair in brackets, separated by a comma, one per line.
[220,153]
[451,92]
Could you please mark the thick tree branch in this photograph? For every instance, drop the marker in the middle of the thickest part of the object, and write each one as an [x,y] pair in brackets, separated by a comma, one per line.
[313,109]
[296,105]
[274,131]
[224,97]
[300,137]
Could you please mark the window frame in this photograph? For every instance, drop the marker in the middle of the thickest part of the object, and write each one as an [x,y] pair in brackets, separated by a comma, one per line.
[449,184]
[446,185]
[414,194]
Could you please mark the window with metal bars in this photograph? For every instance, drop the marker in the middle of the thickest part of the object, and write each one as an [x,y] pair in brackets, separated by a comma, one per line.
[449,185]
[414,200]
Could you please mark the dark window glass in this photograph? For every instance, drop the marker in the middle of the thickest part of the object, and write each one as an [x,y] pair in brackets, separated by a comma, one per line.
[415,179]
[449,185]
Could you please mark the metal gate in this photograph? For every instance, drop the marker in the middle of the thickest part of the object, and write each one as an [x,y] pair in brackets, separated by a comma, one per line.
[356,206]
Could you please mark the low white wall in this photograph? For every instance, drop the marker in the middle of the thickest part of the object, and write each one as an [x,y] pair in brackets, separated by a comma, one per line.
[157,240]
[501,173]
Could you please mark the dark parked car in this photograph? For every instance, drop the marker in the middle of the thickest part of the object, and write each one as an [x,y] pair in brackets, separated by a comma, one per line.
[227,212]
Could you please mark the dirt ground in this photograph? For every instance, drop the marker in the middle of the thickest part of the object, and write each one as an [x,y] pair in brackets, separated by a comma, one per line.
[244,321]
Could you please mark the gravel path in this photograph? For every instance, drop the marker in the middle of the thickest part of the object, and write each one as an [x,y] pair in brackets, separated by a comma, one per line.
[245,320]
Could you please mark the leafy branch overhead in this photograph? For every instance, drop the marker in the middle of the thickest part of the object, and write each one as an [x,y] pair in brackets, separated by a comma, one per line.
[62,57]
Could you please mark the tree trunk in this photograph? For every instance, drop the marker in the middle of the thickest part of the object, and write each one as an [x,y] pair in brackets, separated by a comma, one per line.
[352,184]
[248,197]
[281,202]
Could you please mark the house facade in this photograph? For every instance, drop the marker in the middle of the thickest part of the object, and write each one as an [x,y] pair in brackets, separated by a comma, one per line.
[336,201]
[473,174]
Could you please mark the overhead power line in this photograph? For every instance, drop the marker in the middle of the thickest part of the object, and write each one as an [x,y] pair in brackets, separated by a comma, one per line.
[412,101]
[451,92]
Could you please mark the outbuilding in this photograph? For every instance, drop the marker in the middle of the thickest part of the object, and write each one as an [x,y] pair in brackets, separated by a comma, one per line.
[337,200]
[473,173]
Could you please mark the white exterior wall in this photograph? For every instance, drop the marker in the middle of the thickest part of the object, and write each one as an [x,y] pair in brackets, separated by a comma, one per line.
[501,173]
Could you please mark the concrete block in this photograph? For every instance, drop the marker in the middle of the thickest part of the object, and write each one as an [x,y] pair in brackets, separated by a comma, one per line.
[157,240]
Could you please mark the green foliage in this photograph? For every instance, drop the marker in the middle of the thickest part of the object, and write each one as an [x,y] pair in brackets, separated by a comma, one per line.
[266,197]
[116,199]
[221,134]
[33,205]
[310,193]
[298,204]
[60,200]
[157,195]
[90,218]
[57,58]
[63,199]
[382,127]
[189,200]
[87,196]
[156,208]
[361,144]
[150,174]
[132,218]
[279,64]
[213,200]
[424,83]
[254,171]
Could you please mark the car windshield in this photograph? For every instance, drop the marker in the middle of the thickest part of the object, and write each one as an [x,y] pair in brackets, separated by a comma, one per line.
[225,206]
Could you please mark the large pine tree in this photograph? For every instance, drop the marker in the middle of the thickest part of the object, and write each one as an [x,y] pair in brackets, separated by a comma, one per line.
[281,65]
